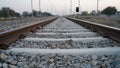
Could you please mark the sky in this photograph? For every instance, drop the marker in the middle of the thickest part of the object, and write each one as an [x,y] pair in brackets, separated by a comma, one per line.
[58,7]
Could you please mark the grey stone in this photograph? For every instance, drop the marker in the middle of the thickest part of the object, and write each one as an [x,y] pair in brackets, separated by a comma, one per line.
[88,65]
[77,65]
[7,52]
[12,61]
[107,63]
[103,66]
[5,65]
[60,63]
[117,66]
[14,57]
[118,58]
[114,63]
[91,46]
[107,55]
[51,60]
[12,66]
[12,53]
[23,54]
[96,66]
[51,65]
[94,62]
[104,58]
[51,55]
[88,58]
[21,59]
[82,66]
[31,65]
[20,64]
[94,57]
[3,56]
[0,65]
[25,66]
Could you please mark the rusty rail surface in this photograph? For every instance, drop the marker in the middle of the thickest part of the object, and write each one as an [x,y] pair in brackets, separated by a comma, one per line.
[107,31]
[9,37]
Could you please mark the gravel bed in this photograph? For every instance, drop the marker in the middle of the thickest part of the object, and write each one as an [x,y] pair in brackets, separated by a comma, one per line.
[22,60]
[62,24]
[13,24]
[70,44]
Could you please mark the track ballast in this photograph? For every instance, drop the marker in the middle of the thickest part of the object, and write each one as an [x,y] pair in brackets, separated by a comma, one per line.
[62,44]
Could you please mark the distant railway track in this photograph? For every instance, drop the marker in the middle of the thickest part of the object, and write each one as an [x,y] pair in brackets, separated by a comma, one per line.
[106,31]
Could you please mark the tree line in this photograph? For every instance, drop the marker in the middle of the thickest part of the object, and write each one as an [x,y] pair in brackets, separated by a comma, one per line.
[8,12]
[110,10]
[35,13]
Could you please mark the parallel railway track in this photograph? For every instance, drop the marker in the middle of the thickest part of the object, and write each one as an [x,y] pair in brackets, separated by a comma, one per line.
[62,43]
[6,38]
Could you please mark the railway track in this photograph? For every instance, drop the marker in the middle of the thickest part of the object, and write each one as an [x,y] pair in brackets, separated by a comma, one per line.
[62,44]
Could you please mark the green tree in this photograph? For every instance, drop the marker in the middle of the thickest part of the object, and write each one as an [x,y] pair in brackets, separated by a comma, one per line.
[47,14]
[84,13]
[17,14]
[109,11]
[25,14]
[6,12]
[34,13]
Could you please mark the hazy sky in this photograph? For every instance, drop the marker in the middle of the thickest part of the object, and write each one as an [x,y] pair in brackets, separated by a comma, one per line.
[58,7]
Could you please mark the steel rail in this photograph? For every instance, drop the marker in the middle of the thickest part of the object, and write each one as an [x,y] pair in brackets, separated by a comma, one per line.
[9,37]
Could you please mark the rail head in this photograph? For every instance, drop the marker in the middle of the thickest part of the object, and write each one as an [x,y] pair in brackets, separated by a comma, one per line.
[6,38]
[106,31]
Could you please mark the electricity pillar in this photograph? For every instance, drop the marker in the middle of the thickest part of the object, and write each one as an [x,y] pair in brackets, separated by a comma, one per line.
[32,6]
[79,6]
[71,7]
[39,5]
[97,6]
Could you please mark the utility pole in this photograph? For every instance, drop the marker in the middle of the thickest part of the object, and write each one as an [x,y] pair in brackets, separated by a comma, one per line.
[32,6]
[97,6]
[79,6]
[65,8]
[39,5]
[71,7]
[51,7]
[39,8]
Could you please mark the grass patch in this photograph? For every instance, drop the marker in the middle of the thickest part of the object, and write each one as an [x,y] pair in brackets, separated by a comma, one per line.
[5,19]
[110,21]
[118,21]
